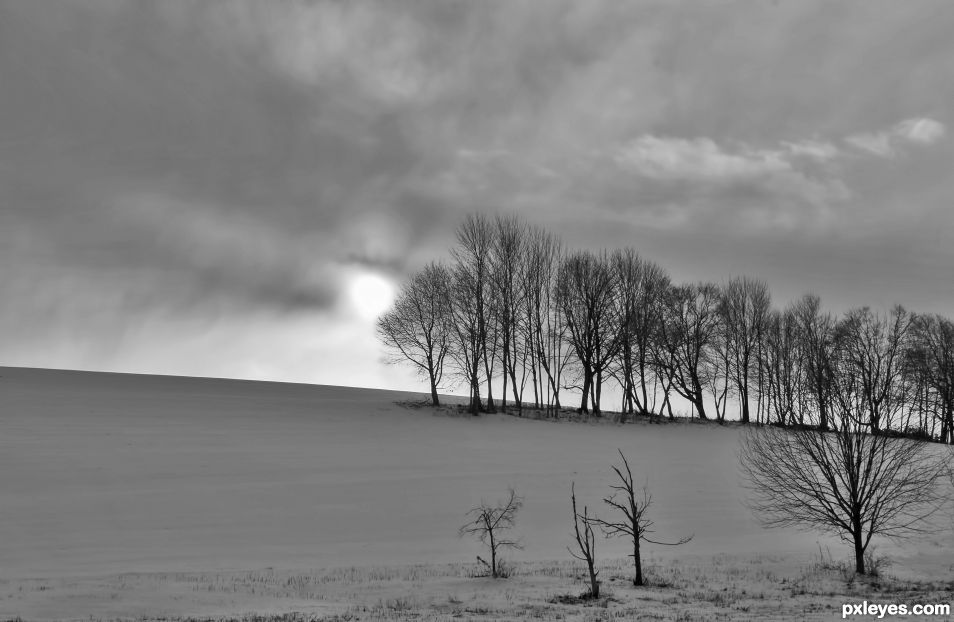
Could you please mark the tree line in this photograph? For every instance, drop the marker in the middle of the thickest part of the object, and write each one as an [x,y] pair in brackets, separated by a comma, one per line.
[514,309]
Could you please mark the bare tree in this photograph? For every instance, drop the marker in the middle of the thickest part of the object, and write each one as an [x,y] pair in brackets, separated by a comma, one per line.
[781,369]
[641,285]
[870,350]
[490,524]
[635,524]
[585,543]
[744,308]
[507,267]
[718,364]
[586,292]
[816,331]
[933,350]
[467,348]
[418,327]
[546,322]
[472,257]
[545,325]
[849,482]
[687,334]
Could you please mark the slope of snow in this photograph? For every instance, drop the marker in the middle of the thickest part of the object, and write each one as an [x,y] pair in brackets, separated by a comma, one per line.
[108,473]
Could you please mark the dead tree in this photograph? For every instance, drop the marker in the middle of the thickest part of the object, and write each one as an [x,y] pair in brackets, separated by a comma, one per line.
[635,524]
[489,524]
[586,543]
[850,482]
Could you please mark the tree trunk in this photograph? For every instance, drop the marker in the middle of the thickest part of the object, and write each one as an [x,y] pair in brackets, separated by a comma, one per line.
[638,579]
[493,556]
[506,361]
[587,381]
[594,584]
[859,554]
[435,401]
[596,388]
[700,408]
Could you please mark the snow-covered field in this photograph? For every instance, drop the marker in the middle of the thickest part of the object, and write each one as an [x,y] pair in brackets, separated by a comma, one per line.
[124,496]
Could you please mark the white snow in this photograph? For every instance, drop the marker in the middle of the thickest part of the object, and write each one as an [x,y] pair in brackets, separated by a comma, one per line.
[103,474]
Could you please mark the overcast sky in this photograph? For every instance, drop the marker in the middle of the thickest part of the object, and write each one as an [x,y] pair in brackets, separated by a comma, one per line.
[193,187]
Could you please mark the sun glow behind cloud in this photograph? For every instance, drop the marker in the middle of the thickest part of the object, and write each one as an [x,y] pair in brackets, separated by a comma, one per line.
[370,295]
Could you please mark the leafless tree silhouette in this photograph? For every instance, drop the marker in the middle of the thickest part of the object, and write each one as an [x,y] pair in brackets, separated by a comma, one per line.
[816,332]
[687,334]
[849,482]
[744,308]
[932,356]
[635,524]
[587,292]
[418,328]
[870,350]
[474,306]
[489,524]
[585,543]
[641,285]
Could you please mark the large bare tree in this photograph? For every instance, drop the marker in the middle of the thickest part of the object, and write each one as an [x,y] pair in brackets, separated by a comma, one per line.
[849,482]
[418,328]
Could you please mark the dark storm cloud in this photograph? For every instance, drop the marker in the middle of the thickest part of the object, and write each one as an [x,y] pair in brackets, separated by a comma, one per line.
[106,103]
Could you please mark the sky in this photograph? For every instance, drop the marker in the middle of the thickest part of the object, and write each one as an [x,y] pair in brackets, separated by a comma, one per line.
[232,188]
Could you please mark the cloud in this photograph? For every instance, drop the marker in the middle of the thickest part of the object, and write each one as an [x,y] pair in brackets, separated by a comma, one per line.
[924,131]
[682,182]
[700,158]
[819,150]
[886,143]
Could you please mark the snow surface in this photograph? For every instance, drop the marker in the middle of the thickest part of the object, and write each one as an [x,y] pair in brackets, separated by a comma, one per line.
[103,474]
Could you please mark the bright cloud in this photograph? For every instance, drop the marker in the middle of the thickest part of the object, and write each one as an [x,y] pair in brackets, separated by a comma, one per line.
[699,158]
[886,143]
[925,131]
[814,149]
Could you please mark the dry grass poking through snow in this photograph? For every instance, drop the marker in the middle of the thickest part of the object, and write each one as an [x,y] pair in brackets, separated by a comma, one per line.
[718,588]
